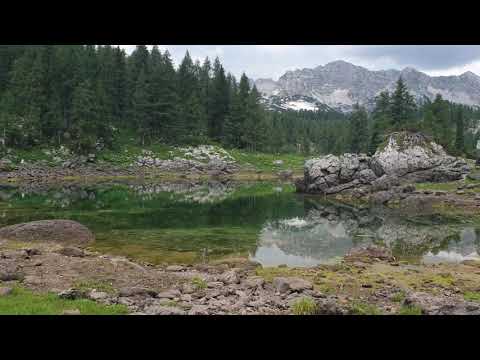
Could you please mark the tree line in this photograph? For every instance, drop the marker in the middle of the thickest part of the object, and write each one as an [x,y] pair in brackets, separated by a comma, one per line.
[451,125]
[85,96]
[81,95]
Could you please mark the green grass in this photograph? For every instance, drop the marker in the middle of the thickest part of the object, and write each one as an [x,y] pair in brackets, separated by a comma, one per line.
[264,162]
[25,302]
[472,296]
[449,186]
[304,306]
[88,285]
[398,297]
[365,309]
[198,283]
[409,310]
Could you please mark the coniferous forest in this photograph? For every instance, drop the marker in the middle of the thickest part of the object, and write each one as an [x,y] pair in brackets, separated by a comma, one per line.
[85,96]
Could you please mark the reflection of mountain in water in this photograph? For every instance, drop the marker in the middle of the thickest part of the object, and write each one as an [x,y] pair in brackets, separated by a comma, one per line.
[329,231]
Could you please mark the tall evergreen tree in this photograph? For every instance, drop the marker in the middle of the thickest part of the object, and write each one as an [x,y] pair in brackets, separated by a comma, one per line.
[358,130]
[402,107]
[460,132]
[219,102]
[254,135]
[85,117]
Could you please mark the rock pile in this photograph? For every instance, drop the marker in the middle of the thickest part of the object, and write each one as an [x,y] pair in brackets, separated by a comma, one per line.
[405,158]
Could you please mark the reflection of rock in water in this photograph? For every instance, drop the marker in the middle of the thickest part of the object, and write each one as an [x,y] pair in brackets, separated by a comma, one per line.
[466,246]
[199,192]
[329,231]
[300,242]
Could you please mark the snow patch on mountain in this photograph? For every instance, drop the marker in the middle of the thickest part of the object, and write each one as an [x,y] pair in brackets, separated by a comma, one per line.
[300,105]
[340,85]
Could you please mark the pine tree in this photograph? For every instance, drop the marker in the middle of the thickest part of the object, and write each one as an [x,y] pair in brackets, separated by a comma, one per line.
[254,135]
[141,107]
[186,79]
[441,115]
[167,123]
[358,130]
[460,132]
[219,102]
[85,117]
[402,107]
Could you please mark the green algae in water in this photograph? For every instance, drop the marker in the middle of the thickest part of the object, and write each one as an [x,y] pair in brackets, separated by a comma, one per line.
[192,222]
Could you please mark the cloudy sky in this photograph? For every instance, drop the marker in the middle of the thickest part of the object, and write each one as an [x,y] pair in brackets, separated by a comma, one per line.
[271,61]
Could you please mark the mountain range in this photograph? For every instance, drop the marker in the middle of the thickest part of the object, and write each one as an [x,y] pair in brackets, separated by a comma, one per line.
[339,85]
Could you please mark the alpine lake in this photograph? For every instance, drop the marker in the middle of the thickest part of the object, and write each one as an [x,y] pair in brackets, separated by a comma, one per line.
[187,222]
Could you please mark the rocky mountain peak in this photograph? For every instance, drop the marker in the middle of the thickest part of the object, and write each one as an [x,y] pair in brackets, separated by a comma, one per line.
[340,84]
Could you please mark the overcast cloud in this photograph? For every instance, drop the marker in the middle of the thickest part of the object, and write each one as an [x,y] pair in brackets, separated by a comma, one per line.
[272,61]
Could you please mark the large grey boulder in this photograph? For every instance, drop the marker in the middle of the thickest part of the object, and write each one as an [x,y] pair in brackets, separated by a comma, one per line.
[58,231]
[405,157]
[406,153]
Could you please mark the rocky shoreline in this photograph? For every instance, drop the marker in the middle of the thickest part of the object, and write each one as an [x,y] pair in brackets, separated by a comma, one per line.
[368,280]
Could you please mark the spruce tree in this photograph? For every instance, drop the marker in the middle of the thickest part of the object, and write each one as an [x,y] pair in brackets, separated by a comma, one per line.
[219,102]
[85,118]
[254,135]
[141,107]
[402,107]
[358,130]
[460,132]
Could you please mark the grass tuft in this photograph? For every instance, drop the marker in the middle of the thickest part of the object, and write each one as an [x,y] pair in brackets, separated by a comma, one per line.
[304,306]
[409,310]
[472,296]
[198,283]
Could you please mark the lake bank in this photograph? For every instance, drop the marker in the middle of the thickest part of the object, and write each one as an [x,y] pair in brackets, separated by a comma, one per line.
[366,282]
[228,241]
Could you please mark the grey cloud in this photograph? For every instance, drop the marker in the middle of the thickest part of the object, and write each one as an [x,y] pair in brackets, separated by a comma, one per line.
[425,57]
[267,61]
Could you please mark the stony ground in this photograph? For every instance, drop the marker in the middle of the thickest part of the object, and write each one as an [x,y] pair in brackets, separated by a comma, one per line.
[369,281]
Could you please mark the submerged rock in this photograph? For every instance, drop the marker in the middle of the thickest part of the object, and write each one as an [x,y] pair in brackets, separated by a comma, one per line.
[60,231]
[406,157]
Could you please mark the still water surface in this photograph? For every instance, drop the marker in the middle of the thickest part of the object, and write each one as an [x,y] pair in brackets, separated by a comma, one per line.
[197,222]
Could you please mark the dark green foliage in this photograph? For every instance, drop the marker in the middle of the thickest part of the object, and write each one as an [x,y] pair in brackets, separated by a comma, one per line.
[86,111]
[402,107]
[85,96]
[459,135]
[358,137]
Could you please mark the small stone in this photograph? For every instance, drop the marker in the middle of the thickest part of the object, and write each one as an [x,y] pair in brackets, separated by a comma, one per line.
[254,282]
[163,310]
[188,289]
[175,268]
[186,297]
[230,277]
[137,291]
[169,294]
[198,310]
[215,284]
[72,252]
[71,312]
[97,295]
[33,252]
[11,276]
[283,285]
[72,294]
[5,291]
